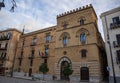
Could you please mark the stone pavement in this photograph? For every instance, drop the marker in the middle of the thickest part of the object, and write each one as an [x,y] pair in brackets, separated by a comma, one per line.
[4,79]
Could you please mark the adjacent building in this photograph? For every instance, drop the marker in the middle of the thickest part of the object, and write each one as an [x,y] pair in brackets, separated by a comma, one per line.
[74,41]
[111,27]
[8,42]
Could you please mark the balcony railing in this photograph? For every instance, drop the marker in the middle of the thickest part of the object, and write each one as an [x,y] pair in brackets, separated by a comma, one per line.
[116,44]
[4,38]
[33,44]
[3,58]
[5,48]
[114,25]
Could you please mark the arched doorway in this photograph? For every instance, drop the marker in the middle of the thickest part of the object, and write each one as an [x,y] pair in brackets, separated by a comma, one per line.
[63,65]
[84,74]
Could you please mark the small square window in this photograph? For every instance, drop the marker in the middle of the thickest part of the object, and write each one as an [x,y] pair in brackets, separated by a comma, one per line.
[116,20]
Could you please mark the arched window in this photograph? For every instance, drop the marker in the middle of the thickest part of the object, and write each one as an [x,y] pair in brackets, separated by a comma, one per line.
[9,35]
[65,41]
[64,37]
[82,34]
[81,21]
[83,38]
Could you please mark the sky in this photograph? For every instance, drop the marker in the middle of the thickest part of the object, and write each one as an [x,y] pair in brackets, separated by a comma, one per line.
[38,14]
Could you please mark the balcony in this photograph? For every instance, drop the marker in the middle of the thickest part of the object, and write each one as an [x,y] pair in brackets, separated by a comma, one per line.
[3,58]
[5,48]
[114,25]
[4,38]
[116,44]
[33,44]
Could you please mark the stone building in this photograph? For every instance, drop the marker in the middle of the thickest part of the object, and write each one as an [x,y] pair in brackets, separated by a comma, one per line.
[74,41]
[111,27]
[8,42]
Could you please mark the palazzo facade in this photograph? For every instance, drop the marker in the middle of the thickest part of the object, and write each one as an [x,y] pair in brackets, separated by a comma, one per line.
[75,40]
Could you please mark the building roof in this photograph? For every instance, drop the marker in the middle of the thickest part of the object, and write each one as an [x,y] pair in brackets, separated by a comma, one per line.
[10,29]
[110,12]
[39,31]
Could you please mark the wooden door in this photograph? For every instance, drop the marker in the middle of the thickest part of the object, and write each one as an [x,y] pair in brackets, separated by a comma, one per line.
[30,72]
[84,73]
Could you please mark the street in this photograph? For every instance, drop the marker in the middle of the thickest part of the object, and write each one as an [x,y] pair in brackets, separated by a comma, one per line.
[5,79]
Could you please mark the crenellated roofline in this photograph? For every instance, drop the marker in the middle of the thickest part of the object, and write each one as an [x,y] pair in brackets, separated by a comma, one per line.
[75,10]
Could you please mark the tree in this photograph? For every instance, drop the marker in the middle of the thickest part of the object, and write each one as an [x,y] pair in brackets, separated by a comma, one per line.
[43,68]
[2,5]
[67,72]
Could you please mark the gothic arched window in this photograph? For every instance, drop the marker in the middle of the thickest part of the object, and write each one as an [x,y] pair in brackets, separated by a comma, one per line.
[65,41]
[83,38]
[64,37]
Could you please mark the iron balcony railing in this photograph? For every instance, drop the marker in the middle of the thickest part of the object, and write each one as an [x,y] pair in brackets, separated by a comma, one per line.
[33,44]
[116,44]
[5,48]
[114,25]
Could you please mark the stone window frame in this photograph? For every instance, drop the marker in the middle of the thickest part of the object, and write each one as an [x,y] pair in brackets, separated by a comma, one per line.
[64,35]
[82,20]
[83,53]
[64,24]
[48,37]
[82,31]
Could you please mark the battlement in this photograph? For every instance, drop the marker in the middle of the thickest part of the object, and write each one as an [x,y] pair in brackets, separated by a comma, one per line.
[74,10]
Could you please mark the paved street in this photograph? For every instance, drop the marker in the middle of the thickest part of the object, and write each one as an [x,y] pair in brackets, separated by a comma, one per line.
[18,80]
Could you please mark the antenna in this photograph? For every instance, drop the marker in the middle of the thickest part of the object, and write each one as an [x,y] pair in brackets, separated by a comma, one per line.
[23,29]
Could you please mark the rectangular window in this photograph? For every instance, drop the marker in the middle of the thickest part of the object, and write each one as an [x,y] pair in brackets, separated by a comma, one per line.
[118,55]
[83,53]
[118,38]
[116,20]
[34,39]
[48,38]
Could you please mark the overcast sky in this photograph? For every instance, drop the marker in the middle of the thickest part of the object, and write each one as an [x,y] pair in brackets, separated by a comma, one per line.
[39,14]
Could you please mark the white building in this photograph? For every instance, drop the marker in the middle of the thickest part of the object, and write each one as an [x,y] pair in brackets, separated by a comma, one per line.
[111,27]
